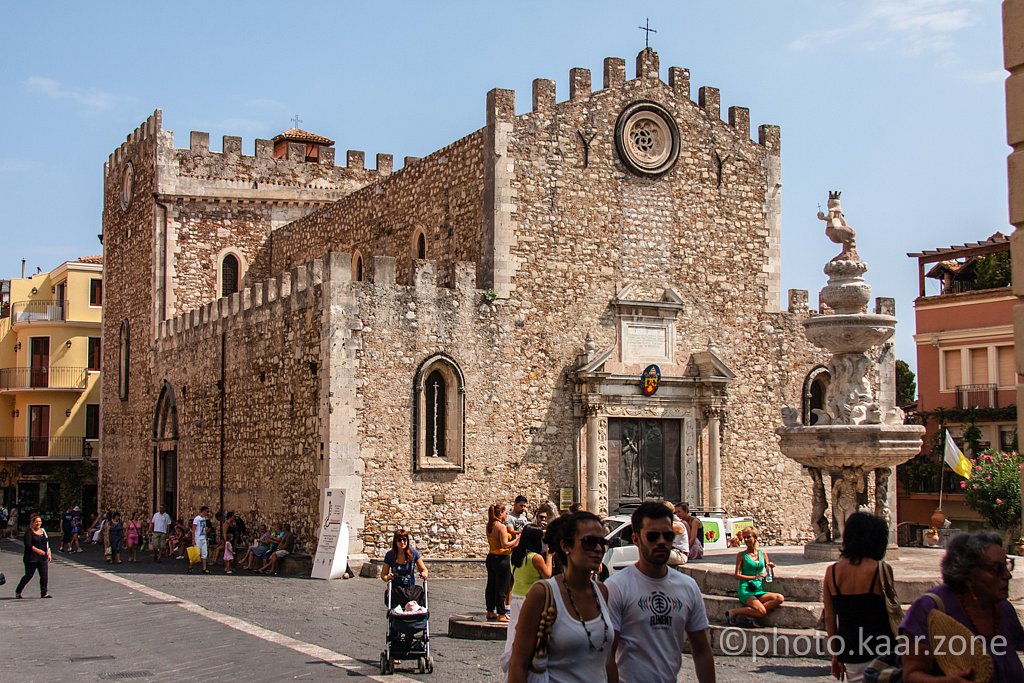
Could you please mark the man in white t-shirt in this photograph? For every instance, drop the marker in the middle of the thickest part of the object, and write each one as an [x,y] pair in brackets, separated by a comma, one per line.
[160,523]
[518,517]
[654,608]
[199,525]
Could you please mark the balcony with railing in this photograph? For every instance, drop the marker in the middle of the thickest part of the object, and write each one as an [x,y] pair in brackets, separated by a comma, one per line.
[977,396]
[39,311]
[17,379]
[52,447]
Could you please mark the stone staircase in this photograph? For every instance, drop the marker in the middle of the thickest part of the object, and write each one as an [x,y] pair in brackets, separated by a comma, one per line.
[796,628]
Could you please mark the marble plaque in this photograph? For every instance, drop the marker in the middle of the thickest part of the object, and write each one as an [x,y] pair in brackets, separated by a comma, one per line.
[645,341]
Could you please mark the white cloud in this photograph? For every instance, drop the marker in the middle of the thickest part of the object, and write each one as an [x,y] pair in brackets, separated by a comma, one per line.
[910,26]
[92,101]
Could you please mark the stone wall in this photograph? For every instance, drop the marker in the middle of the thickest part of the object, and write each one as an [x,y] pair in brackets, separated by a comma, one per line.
[259,352]
[440,195]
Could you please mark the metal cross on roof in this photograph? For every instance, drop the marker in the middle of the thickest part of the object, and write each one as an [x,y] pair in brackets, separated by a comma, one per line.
[649,31]
[296,120]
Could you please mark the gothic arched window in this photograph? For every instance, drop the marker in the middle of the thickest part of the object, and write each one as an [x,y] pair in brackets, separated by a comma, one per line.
[439,414]
[815,394]
[357,267]
[123,353]
[229,275]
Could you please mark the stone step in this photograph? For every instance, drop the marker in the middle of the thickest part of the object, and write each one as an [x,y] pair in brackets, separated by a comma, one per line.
[713,581]
[474,626]
[789,615]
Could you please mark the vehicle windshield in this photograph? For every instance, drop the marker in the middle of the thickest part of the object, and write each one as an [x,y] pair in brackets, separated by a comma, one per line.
[611,525]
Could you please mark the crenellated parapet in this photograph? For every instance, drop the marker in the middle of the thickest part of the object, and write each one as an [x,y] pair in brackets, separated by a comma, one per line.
[149,128]
[544,95]
[302,286]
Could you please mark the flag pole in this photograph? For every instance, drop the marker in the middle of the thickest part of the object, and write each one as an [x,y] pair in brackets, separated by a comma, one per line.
[942,467]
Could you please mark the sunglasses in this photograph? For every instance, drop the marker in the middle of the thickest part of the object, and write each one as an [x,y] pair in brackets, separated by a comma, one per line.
[402,538]
[591,542]
[653,536]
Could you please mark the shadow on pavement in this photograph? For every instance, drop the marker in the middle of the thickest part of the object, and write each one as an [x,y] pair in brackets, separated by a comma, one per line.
[789,671]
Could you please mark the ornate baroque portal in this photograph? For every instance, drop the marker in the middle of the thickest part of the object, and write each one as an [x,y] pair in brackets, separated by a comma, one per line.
[634,447]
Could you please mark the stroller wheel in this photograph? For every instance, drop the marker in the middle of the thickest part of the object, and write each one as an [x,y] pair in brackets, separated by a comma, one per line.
[429,668]
[383,664]
[421,665]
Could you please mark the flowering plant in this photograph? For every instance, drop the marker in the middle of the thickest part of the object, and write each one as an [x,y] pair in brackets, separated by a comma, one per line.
[993,491]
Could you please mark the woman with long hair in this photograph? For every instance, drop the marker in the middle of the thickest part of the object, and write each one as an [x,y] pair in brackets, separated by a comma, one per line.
[529,565]
[579,642]
[854,602]
[116,537]
[403,561]
[752,567]
[500,542]
[36,558]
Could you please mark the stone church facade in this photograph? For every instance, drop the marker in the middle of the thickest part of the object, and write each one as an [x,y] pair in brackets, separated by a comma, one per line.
[468,328]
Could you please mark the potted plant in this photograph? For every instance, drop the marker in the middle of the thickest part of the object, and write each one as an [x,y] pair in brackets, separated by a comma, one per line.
[1019,546]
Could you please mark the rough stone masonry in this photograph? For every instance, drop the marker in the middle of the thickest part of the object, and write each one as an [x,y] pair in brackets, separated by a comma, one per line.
[470,327]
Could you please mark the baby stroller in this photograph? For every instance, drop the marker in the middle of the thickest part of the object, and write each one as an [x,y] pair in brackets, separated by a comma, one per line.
[408,634]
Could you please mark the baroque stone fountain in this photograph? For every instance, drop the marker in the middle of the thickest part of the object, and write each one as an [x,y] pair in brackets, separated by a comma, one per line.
[854,435]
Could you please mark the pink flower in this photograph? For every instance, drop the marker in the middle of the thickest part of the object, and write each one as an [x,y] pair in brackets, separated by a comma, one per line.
[999,501]
[963,484]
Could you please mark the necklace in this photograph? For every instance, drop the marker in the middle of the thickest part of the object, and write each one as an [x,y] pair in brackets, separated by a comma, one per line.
[600,612]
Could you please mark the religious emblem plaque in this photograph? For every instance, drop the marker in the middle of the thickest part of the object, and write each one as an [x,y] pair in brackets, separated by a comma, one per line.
[649,379]
[647,138]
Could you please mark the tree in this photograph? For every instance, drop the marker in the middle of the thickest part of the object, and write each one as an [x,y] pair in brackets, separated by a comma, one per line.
[994,270]
[906,386]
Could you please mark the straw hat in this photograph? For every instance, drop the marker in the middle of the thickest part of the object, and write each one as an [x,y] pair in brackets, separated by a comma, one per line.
[957,637]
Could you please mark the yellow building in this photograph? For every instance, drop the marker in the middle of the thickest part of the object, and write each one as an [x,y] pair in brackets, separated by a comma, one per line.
[50,351]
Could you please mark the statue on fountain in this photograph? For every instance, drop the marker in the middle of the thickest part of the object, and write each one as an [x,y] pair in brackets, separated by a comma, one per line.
[837,230]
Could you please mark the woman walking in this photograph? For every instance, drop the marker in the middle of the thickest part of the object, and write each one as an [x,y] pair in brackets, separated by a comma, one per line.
[579,643]
[402,562]
[36,558]
[133,536]
[499,573]
[116,536]
[854,602]
[753,568]
[529,565]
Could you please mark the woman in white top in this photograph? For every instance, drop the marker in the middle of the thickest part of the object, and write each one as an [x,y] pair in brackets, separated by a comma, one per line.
[579,647]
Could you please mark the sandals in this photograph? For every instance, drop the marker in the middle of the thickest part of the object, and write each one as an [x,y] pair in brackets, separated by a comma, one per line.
[491,616]
[503,618]
[731,620]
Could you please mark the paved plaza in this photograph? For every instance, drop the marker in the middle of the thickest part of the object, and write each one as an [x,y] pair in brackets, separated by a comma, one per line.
[155,622]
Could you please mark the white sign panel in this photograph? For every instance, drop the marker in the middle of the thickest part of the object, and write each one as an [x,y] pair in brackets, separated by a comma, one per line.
[331,558]
[646,342]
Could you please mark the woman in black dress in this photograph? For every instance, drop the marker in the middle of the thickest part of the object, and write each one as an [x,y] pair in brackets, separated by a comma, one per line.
[116,535]
[37,557]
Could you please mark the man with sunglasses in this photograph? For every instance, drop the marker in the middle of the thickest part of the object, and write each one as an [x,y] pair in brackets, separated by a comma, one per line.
[654,608]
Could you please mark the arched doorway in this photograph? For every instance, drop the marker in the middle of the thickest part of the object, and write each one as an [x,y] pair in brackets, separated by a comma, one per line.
[165,450]
[815,394]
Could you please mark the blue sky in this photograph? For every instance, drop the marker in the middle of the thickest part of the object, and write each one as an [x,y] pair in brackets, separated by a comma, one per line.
[898,103]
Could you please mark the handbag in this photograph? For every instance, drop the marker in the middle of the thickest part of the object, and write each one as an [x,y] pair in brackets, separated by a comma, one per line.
[538,672]
[893,608]
[889,668]
[193,554]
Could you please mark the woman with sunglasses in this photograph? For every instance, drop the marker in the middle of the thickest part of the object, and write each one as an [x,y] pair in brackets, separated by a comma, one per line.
[500,542]
[752,567]
[402,561]
[975,589]
[579,643]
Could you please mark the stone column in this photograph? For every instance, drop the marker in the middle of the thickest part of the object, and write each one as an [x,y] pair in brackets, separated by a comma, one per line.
[885,499]
[713,415]
[593,497]
[1013,61]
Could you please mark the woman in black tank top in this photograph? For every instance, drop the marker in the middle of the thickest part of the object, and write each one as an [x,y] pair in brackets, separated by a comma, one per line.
[854,604]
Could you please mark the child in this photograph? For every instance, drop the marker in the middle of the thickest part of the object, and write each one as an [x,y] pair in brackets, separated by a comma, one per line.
[229,555]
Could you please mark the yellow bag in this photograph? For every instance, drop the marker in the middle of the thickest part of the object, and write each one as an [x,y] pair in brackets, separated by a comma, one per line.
[193,554]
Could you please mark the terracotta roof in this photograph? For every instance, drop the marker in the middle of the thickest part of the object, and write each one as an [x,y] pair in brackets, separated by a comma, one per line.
[299,135]
[89,259]
[995,239]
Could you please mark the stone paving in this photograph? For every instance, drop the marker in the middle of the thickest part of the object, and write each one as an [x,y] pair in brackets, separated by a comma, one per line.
[155,622]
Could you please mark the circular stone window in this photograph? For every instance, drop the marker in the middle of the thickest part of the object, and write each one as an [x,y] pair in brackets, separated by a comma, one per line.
[127,185]
[647,138]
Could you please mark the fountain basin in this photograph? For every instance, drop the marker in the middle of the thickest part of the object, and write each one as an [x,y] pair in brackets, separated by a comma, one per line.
[849,333]
[865,446]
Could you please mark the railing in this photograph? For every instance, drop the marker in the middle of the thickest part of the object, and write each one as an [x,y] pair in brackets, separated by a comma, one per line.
[38,311]
[42,378]
[977,396]
[41,447]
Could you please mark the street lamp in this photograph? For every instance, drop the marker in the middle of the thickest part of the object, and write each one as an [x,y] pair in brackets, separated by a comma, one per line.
[86,449]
